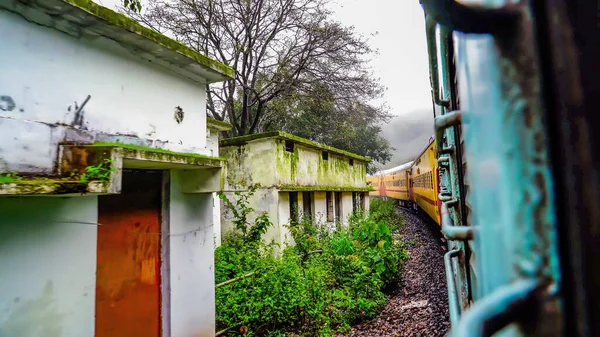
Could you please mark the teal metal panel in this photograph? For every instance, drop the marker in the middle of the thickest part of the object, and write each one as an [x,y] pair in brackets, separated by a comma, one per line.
[510,182]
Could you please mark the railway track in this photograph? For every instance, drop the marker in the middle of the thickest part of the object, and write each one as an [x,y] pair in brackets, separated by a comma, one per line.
[419,306]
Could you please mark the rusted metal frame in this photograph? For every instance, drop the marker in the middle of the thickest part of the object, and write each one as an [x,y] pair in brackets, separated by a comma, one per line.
[505,305]
[442,123]
[450,231]
[434,80]
[453,303]
[450,120]
[472,18]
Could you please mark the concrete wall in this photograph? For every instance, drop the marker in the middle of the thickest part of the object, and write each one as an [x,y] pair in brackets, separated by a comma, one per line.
[320,207]
[51,74]
[306,167]
[265,161]
[48,263]
[252,163]
[284,217]
[346,207]
[192,297]
[263,200]
[212,144]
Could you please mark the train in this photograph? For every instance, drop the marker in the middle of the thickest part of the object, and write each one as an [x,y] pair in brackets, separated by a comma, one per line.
[512,174]
[414,184]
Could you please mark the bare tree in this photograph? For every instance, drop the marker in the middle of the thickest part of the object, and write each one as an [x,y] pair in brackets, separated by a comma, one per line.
[278,48]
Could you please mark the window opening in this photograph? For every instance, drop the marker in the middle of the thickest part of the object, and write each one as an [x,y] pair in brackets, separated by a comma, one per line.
[338,206]
[307,201]
[289,146]
[329,199]
[294,206]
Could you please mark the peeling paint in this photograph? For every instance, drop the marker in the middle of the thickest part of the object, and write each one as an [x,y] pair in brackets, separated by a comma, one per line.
[7,103]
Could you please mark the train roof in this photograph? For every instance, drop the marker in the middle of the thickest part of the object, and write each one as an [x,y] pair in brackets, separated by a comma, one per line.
[431,140]
[393,169]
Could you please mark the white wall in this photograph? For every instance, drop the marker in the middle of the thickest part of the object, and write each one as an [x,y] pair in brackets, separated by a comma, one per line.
[192,280]
[48,263]
[263,200]
[346,207]
[49,71]
[284,217]
[212,144]
[320,207]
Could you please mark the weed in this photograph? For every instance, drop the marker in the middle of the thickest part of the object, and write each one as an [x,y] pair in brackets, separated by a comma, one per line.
[324,283]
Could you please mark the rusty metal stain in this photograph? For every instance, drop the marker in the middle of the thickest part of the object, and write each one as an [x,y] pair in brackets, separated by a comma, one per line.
[128,260]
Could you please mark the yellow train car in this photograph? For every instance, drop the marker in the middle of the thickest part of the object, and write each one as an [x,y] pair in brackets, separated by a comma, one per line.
[392,183]
[424,182]
[414,184]
[375,182]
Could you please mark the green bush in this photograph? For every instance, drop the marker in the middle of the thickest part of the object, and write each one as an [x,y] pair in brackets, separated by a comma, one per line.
[324,283]
[384,210]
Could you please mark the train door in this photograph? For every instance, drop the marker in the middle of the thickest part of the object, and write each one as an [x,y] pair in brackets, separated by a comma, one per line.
[514,237]
[459,261]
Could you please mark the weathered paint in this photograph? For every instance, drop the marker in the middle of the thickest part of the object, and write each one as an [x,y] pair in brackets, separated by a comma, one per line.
[127,97]
[48,255]
[191,261]
[263,160]
[264,200]
[113,93]
[510,182]
[128,277]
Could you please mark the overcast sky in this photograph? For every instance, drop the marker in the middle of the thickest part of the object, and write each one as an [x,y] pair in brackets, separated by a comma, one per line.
[402,60]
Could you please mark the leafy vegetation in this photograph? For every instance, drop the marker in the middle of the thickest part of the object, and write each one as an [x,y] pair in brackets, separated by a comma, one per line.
[327,281]
[99,172]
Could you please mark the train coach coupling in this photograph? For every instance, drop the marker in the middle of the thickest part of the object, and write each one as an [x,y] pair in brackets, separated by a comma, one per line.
[450,231]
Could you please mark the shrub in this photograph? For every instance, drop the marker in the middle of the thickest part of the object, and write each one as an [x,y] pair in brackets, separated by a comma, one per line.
[324,283]
[384,210]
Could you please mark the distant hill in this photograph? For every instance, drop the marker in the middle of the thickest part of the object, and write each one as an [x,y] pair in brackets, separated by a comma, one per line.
[409,134]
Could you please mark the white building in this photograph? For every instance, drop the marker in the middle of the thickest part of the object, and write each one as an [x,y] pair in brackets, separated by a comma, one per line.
[294,174]
[107,176]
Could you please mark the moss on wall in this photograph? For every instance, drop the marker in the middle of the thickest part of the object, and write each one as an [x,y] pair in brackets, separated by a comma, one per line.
[218,125]
[238,141]
[150,153]
[335,188]
[131,25]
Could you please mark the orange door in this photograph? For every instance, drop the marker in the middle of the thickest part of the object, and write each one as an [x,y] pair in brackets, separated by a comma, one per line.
[128,258]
